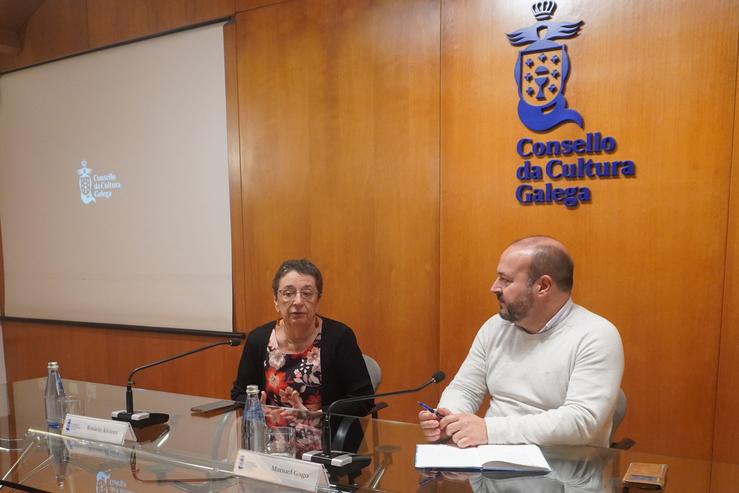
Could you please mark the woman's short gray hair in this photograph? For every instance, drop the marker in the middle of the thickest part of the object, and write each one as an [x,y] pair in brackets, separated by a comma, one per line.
[301,266]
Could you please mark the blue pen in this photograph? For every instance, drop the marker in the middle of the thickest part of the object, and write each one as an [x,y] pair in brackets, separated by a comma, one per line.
[430,409]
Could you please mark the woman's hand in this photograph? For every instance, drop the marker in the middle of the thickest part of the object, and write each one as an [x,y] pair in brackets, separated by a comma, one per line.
[291,396]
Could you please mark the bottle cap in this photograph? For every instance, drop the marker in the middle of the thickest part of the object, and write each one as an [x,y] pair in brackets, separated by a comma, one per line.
[252,389]
[53,364]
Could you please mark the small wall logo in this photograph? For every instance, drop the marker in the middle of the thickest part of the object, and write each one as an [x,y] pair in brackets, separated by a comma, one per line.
[93,186]
[85,183]
[542,69]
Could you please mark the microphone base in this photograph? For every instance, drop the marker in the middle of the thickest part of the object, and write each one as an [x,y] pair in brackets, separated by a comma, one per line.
[140,419]
[338,463]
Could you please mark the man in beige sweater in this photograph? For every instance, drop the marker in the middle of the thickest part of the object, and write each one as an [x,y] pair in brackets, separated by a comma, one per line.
[552,368]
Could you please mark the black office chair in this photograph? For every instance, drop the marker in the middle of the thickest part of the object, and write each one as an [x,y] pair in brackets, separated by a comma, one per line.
[375,373]
[618,417]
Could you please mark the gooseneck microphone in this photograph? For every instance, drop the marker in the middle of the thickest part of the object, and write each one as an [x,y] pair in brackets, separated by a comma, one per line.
[339,461]
[139,419]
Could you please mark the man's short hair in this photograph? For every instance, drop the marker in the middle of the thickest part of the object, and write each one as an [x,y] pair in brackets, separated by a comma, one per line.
[552,261]
[301,266]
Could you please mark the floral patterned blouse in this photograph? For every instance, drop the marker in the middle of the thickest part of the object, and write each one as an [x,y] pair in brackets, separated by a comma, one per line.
[302,372]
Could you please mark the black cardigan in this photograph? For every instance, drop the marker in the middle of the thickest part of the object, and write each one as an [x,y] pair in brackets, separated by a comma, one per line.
[343,371]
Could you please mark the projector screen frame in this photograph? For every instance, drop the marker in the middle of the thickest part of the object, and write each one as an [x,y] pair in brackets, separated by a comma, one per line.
[228,24]
[137,328]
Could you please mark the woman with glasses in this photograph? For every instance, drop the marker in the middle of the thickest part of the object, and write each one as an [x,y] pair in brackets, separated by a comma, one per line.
[303,360]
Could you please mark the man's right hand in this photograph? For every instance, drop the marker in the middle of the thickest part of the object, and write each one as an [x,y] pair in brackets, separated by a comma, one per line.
[430,426]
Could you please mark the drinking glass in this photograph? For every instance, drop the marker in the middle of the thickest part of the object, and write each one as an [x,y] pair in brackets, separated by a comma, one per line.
[281,441]
[72,404]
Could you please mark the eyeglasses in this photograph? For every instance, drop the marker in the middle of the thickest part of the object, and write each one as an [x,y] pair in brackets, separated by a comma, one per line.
[289,294]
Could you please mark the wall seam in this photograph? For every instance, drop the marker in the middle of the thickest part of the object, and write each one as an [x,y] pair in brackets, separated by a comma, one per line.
[728,223]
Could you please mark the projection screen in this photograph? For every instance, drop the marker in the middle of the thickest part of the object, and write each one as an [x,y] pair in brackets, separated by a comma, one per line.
[114,199]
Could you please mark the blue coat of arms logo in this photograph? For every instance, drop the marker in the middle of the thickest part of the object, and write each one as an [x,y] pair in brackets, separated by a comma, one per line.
[542,69]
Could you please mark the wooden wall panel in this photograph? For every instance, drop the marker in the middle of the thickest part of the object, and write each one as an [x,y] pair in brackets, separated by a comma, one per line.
[724,477]
[234,177]
[242,5]
[112,21]
[58,28]
[109,355]
[14,15]
[339,136]
[64,27]
[649,250]
[726,431]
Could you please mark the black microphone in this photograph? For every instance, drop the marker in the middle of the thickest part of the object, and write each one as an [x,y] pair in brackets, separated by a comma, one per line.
[139,419]
[341,462]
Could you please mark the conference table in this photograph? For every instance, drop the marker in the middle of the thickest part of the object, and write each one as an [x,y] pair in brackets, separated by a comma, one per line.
[195,454]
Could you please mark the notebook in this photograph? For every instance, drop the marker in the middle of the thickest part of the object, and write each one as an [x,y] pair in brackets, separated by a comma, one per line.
[517,458]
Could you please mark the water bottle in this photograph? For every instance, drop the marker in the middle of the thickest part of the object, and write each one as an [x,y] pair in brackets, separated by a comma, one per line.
[59,456]
[254,423]
[54,396]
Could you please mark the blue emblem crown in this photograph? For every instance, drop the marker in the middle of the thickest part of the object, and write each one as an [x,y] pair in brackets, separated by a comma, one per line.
[544,10]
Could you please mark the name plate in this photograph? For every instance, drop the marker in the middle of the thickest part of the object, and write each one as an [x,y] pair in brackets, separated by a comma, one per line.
[102,430]
[284,471]
[98,451]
